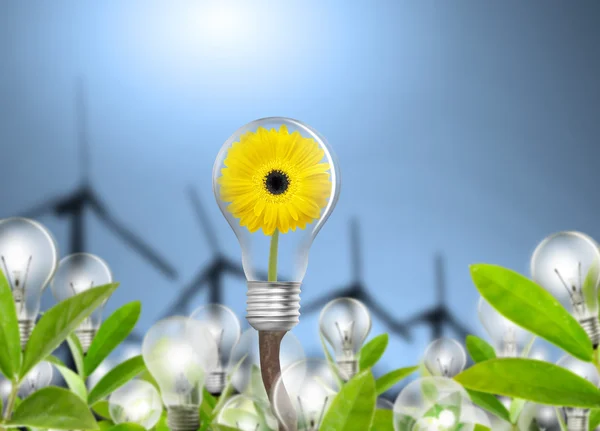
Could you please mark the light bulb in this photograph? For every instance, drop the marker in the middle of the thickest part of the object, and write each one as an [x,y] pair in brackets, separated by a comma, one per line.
[225,329]
[508,338]
[135,402]
[578,418]
[245,355]
[310,386]
[28,258]
[246,414]
[179,352]
[39,377]
[276,182]
[567,264]
[77,273]
[445,357]
[345,324]
[539,417]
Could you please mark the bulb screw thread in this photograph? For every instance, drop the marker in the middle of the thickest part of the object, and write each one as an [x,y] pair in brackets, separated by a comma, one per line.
[215,383]
[273,305]
[183,418]
[591,326]
[348,368]
[86,336]
[578,420]
[25,330]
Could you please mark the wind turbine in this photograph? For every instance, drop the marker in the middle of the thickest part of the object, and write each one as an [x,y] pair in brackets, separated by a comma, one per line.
[356,289]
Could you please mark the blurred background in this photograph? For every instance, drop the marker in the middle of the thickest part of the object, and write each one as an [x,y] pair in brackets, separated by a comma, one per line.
[466,132]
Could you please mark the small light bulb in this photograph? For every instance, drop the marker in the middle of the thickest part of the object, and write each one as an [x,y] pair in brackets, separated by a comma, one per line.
[77,273]
[136,402]
[345,323]
[578,418]
[28,259]
[39,377]
[225,329]
[539,417]
[508,338]
[567,264]
[246,414]
[179,352]
[445,357]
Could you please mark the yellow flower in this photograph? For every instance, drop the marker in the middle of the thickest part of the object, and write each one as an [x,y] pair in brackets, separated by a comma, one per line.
[274,179]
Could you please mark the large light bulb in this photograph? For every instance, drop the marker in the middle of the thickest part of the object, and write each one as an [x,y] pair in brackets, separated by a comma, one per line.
[28,259]
[508,338]
[276,182]
[179,352]
[567,264]
[445,357]
[539,417]
[39,377]
[345,324]
[136,402]
[245,355]
[246,414]
[303,393]
[77,273]
[578,418]
[225,329]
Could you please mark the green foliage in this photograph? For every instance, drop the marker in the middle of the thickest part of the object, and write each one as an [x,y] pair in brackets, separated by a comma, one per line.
[490,403]
[116,378]
[383,420]
[372,352]
[390,379]
[479,350]
[77,353]
[74,382]
[101,409]
[128,427]
[10,342]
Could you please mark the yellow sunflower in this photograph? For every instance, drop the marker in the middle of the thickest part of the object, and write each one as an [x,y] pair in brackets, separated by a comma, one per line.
[275,180]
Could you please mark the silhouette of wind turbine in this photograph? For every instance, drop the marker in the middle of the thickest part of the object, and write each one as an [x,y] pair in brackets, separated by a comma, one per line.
[73,206]
[357,290]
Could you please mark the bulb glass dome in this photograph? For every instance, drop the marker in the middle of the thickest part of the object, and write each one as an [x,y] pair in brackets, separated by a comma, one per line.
[28,259]
[136,402]
[445,357]
[179,352]
[247,414]
[587,370]
[39,377]
[345,323]
[538,416]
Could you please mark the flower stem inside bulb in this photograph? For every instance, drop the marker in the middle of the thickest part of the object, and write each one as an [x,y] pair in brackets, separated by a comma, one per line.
[273,256]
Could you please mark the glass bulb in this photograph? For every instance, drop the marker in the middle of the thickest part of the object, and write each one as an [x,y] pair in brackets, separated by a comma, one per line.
[39,377]
[567,264]
[276,182]
[179,352]
[310,386]
[539,417]
[135,402]
[77,273]
[225,328]
[246,414]
[445,357]
[345,323]
[245,355]
[508,338]
[28,259]
[577,418]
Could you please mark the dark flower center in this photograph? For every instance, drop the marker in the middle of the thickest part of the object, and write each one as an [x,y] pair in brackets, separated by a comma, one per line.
[277,182]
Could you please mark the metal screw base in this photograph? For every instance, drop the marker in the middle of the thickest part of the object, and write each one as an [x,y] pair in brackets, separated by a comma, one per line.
[183,418]
[577,419]
[215,382]
[86,336]
[591,325]
[25,330]
[273,305]
[348,368]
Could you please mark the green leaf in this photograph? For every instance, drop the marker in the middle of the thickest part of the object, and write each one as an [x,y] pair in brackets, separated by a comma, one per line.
[58,322]
[105,425]
[479,427]
[10,341]
[75,383]
[531,380]
[332,364]
[479,350]
[594,419]
[101,409]
[162,424]
[128,427]
[76,353]
[353,407]
[490,403]
[113,332]
[116,378]
[516,407]
[590,285]
[55,408]
[373,351]
[531,307]
[383,420]
[388,380]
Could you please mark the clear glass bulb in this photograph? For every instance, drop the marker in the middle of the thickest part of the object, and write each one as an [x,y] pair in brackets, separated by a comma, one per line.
[577,418]
[225,329]
[539,417]
[567,264]
[508,338]
[28,259]
[39,377]
[303,393]
[179,352]
[77,273]
[246,414]
[246,356]
[445,357]
[276,182]
[345,323]
[135,402]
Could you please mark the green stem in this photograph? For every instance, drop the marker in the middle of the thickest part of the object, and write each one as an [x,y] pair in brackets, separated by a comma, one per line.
[596,360]
[273,256]
[11,400]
